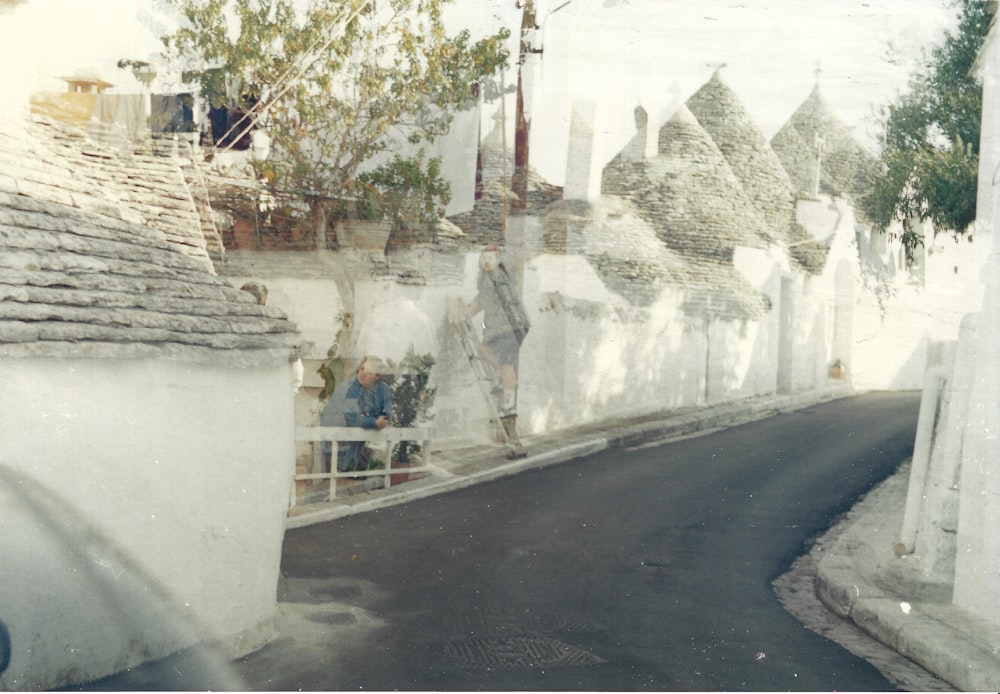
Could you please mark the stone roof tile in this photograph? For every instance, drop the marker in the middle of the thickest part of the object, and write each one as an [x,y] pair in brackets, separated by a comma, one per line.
[846,168]
[62,163]
[747,151]
[689,193]
[80,277]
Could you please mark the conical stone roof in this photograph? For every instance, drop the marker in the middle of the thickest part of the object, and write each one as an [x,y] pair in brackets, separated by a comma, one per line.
[693,201]
[142,184]
[689,193]
[483,224]
[630,258]
[748,153]
[846,168]
[716,290]
[623,249]
[795,156]
[81,275]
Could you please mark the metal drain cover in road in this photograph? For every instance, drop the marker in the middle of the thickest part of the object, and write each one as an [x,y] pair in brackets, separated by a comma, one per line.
[519,652]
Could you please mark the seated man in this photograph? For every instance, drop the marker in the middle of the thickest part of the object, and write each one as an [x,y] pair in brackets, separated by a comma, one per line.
[363,401]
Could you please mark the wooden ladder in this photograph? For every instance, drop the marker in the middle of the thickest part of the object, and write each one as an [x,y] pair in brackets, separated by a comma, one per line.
[505,423]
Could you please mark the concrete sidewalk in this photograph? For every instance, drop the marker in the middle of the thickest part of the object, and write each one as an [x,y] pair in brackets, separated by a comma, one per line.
[464,467]
[858,576]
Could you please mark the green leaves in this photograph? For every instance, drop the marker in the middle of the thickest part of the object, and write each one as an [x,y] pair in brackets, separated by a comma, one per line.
[948,178]
[929,149]
[331,80]
[404,189]
[411,397]
[329,379]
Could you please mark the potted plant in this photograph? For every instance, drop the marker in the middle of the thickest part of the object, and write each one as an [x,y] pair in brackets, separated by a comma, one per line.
[837,369]
[395,202]
[411,403]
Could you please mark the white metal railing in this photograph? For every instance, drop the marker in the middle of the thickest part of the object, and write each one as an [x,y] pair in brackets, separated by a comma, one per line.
[388,436]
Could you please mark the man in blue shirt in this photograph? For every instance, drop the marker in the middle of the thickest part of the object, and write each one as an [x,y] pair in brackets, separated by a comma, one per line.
[363,401]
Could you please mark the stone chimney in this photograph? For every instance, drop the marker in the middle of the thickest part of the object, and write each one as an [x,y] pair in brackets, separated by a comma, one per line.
[638,148]
[583,179]
[674,103]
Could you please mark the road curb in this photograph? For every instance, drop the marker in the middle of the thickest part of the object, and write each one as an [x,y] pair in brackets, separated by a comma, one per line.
[354,505]
[671,426]
[940,649]
[945,644]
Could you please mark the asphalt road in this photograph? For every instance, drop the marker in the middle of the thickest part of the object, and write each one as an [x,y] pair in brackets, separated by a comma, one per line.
[646,569]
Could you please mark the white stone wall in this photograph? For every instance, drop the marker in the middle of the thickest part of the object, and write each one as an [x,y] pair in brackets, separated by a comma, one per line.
[314,305]
[764,270]
[593,353]
[184,470]
[977,566]
[813,334]
[898,314]
[868,310]
[591,356]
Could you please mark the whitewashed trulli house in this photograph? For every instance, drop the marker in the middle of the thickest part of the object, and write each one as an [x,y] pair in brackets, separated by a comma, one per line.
[900,309]
[808,268]
[636,292]
[689,194]
[148,399]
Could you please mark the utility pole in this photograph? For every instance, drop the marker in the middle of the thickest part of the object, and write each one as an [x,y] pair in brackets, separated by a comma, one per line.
[522,127]
[530,43]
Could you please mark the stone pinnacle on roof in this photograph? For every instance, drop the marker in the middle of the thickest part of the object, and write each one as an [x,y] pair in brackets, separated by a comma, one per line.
[635,148]
[846,168]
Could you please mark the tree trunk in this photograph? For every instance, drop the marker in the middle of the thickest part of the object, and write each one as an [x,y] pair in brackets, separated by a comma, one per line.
[318,209]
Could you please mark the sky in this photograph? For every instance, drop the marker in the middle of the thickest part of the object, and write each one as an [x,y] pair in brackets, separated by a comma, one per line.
[655,53]
[613,54]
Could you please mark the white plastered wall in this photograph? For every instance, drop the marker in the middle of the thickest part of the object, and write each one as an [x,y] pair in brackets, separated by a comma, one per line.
[184,469]
[977,565]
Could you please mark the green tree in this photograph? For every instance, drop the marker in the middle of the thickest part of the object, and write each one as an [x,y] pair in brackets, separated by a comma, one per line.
[930,141]
[406,190]
[333,82]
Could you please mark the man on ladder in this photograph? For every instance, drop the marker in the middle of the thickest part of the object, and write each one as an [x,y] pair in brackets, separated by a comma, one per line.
[505,324]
